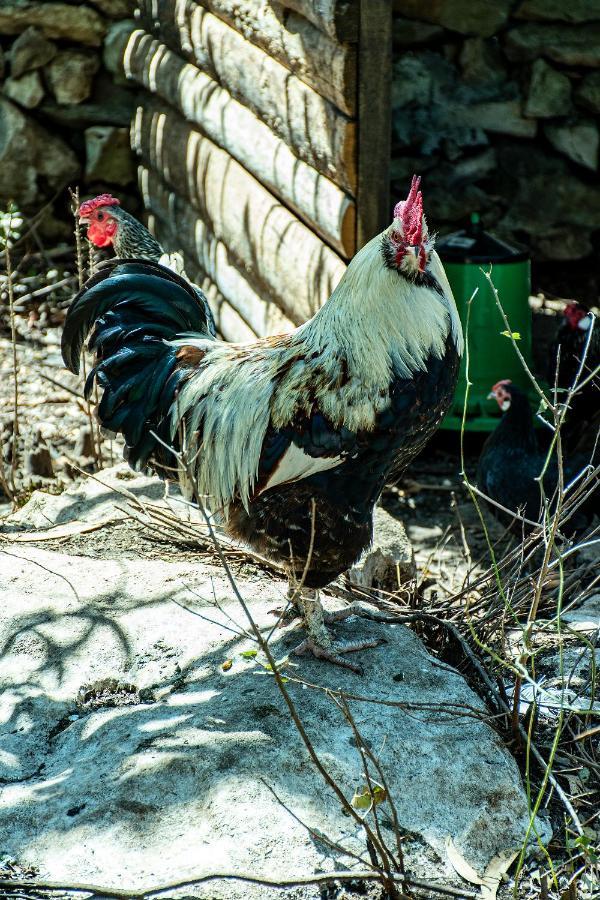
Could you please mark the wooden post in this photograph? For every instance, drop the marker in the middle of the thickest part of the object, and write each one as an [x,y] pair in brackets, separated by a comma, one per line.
[374,118]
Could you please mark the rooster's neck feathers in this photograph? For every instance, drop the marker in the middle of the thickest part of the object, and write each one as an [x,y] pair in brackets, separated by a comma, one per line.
[132,240]
[375,328]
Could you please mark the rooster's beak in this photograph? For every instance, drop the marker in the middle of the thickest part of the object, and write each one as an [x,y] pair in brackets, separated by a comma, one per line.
[416,253]
[491,396]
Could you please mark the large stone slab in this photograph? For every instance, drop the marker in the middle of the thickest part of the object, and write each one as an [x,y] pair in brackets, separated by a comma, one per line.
[123,733]
[465,16]
[79,23]
[558,10]
[578,45]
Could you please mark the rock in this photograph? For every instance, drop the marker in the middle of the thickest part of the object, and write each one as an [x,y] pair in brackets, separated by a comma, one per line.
[27,91]
[174,751]
[481,61]
[79,24]
[30,155]
[108,105]
[115,42]
[559,10]
[390,562]
[474,168]
[451,205]
[543,191]
[572,46]
[38,460]
[108,155]
[586,616]
[407,32]
[115,9]
[578,140]
[549,92]
[562,244]
[31,50]
[588,92]
[465,16]
[70,75]
[84,446]
[414,76]
[501,116]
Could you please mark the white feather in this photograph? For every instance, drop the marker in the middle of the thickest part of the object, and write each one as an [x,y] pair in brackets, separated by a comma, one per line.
[295,464]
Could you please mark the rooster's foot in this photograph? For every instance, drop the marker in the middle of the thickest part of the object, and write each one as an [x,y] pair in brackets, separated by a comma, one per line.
[333,653]
[318,640]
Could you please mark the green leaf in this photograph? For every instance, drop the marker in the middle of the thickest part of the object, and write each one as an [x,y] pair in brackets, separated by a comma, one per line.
[248,654]
[364,799]
[515,335]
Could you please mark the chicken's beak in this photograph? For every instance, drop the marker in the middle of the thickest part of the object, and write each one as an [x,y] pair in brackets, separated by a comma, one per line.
[416,251]
[491,396]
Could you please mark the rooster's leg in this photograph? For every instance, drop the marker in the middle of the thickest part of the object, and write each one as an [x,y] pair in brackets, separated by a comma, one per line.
[318,640]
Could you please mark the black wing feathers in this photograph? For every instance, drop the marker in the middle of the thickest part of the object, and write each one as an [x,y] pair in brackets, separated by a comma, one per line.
[157,294]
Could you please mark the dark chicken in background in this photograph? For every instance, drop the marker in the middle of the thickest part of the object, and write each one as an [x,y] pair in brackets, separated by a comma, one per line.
[110,226]
[314,420]
[580,430]
[511,461]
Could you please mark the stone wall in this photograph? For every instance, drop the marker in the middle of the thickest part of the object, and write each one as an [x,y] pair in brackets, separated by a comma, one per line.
[497,104]
[65,110]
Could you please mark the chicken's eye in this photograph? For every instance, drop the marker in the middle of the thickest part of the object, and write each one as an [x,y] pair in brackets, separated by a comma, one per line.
[100,216]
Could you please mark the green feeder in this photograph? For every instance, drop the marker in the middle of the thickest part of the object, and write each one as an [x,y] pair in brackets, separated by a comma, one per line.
[492,355]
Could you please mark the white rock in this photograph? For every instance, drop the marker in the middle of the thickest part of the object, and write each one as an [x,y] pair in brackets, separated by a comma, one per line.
[189,771]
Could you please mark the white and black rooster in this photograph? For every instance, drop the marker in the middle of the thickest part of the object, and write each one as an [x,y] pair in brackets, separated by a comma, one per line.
[316,419]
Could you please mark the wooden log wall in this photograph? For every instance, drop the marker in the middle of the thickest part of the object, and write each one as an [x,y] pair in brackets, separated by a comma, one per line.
[263,153]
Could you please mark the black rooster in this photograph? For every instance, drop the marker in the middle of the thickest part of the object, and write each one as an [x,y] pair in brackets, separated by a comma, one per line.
[511,462]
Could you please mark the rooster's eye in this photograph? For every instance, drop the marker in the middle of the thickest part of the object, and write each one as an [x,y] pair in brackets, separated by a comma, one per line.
[100,216]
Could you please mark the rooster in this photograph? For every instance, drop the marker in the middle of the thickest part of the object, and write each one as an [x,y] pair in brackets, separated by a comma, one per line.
[290,438]
[580,430]
[110,226]
[511,463]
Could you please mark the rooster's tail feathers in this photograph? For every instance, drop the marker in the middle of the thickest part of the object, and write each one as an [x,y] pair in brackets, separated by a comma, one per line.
[133,310]
[156,296]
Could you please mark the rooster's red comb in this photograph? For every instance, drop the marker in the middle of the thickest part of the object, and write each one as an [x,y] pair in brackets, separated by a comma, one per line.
[410,213]
[501,384]
[88,207]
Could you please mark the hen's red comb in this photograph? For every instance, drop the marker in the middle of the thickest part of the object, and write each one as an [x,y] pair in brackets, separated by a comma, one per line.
[87,208]
[410,213]
[500,384]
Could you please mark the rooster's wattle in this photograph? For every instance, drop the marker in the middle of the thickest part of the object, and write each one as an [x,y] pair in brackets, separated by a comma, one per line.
[316,419]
